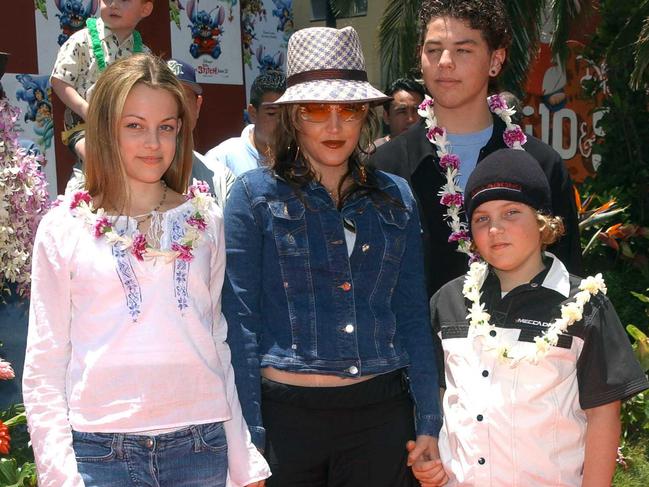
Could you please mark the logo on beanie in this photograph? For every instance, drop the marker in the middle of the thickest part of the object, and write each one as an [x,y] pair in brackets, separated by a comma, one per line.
[500,185]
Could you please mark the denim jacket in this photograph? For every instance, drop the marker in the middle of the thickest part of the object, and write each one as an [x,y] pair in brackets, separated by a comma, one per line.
[294,300]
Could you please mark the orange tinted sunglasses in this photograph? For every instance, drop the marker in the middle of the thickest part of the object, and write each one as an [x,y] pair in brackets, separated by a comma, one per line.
[319,112]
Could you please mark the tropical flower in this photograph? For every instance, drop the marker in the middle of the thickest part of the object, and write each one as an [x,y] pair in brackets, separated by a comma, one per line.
[184,251]
[80,197]
[5,439]
[139,246]
[101,226]
[23,202]
[6,371]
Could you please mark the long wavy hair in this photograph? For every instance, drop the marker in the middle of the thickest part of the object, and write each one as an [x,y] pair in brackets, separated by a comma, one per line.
[290,164]
[104,170]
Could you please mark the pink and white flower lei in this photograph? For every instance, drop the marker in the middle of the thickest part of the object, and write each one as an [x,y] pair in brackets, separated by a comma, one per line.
[198,193]
[451,195]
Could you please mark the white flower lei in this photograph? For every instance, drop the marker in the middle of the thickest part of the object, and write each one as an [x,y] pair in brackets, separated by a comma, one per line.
[198,193]
[479,326]
[450,192]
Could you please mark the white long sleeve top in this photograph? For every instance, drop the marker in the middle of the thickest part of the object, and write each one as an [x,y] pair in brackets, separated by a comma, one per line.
[121,345]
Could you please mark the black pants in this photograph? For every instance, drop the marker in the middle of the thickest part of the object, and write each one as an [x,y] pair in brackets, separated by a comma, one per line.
[350,436]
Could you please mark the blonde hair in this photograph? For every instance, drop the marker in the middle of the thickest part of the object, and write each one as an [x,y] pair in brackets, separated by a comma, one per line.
[551,228]
[105,173]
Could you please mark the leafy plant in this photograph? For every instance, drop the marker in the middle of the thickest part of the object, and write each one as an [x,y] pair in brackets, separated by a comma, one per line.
[17,467]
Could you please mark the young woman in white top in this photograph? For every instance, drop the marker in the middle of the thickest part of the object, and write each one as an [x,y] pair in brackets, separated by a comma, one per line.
[127,376]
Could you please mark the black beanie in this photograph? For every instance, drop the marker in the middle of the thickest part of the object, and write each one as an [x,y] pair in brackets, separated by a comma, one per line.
[511,175]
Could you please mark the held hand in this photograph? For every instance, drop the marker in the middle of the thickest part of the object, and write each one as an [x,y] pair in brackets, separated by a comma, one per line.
[423,456]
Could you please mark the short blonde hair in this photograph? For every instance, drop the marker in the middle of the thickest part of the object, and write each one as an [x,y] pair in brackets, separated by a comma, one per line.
[105,174]
[551,228]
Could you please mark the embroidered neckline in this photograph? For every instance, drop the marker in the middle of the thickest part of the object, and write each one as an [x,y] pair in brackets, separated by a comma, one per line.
[97,49]
[198,193]
[480,328]
[451,194]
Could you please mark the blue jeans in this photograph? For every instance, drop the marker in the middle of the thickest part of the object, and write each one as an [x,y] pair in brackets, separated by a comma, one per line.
[196,456]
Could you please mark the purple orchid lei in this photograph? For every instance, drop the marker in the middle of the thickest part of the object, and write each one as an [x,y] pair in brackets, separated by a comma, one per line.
[198,193]
[451,195]
[24,200]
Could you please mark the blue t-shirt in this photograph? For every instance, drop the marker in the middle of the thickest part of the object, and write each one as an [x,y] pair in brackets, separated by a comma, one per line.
[467,148]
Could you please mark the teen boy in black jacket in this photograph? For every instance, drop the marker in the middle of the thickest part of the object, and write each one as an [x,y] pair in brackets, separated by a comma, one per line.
[464,47]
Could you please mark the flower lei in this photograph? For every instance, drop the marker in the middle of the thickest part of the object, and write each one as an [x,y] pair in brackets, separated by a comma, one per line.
[480,327]
[451,194]
[198,193]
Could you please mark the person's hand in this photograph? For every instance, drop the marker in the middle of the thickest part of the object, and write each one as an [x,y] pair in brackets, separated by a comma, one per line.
[423,457]
[259,483]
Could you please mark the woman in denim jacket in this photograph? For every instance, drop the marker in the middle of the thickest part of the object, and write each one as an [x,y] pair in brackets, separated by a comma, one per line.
[324,291]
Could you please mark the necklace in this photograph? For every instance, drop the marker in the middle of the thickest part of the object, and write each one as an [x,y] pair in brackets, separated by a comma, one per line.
[146,216]
[480,328]
[451,194]
[195,224]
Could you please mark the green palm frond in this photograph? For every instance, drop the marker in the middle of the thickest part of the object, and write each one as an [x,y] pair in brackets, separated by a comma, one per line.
[341,8]
[564,12]
[398,39]
[641,47]
[525,15]
[641,57]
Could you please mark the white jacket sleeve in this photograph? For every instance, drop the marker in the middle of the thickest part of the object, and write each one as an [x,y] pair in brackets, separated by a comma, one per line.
[48,353]
[245,463]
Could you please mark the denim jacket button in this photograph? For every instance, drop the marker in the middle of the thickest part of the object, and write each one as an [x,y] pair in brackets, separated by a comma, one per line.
[365,247]
[349,328]
[353,370]
[345,286]
[148,443]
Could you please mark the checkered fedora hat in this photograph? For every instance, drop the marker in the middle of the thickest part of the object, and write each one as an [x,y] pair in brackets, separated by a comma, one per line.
[327,65]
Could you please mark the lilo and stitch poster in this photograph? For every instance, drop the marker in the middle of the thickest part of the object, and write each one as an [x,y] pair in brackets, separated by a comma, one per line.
[56,21]
[32,94]
[207,35]
[267,25]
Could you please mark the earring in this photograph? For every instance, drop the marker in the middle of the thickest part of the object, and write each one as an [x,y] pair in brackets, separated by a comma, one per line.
[494,71]
[363,174]
[299,167]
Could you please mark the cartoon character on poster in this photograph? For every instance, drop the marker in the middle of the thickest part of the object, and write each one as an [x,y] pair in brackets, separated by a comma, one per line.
[206,30]
[73,15]
[268,63]
[31,94]
[56,21]
[36,93]
[283,12]
[174,11]
[252,11]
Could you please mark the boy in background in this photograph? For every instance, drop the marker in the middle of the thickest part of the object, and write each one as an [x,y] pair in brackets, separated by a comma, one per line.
[536,360]
[87,53]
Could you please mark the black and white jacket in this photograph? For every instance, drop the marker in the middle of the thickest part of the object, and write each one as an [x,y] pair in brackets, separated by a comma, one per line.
[526,425]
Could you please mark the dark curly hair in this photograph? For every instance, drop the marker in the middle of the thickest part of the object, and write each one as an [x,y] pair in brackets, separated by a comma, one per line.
[488,16]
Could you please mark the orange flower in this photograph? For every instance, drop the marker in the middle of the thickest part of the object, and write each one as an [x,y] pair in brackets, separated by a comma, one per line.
[5,439]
